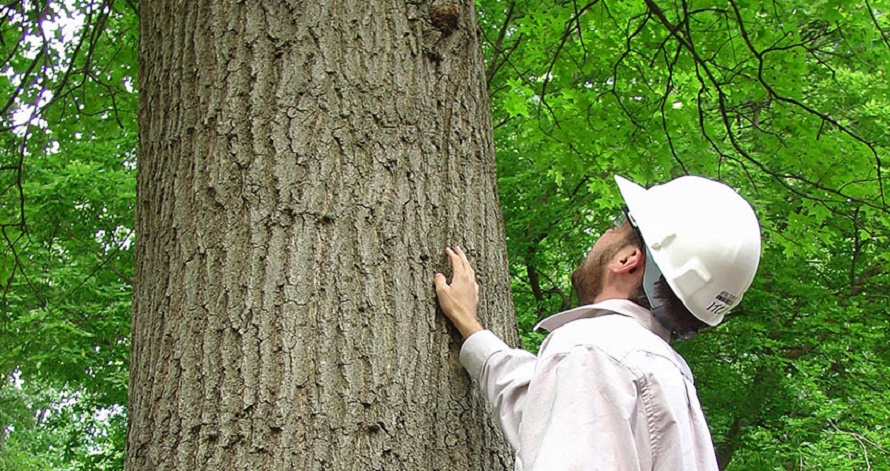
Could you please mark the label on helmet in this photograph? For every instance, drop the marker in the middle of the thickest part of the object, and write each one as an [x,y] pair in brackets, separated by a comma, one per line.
[722,302]
[716,308]
[727,297]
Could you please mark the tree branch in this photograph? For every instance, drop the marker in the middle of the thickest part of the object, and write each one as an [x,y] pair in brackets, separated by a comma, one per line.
[702,65]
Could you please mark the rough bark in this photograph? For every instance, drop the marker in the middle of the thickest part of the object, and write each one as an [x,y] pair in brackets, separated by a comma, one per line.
[302,165]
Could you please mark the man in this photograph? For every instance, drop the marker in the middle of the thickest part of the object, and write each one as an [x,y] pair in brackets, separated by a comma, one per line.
[606,391]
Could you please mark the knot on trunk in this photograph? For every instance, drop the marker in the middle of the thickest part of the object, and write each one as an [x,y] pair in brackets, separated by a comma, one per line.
[445,17]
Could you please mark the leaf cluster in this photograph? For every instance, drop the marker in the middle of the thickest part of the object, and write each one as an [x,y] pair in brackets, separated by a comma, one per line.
[67,192]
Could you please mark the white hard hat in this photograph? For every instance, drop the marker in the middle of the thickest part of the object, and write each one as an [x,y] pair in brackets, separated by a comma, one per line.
[702,235]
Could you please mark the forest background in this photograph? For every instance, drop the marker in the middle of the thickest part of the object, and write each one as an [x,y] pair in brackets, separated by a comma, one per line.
[788,101]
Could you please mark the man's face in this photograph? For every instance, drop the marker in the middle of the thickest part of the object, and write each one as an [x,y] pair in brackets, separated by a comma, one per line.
[588,278]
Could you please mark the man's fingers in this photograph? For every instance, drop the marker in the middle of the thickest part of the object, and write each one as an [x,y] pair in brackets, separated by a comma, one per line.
[453,258]
[441,283]
[463,258]
[466,267]
[458,267]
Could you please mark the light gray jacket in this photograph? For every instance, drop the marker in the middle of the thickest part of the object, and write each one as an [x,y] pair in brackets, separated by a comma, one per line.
[605,392]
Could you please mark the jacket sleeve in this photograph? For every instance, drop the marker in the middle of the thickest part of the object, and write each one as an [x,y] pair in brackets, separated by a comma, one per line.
[503,374]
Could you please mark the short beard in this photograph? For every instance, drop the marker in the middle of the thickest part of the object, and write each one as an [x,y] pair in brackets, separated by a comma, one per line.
[587,279]
[639,297]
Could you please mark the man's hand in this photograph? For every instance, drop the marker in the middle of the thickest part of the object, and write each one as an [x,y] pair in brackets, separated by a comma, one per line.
[459,299]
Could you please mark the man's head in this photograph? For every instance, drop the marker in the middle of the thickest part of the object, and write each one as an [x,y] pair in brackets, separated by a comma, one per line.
[612,268]
[693,244]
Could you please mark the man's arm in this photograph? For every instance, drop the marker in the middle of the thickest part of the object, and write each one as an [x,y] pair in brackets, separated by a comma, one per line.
[460,298]
[503,373]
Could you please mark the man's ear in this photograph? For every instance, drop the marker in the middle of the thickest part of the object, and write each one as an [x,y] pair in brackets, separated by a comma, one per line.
[628,260]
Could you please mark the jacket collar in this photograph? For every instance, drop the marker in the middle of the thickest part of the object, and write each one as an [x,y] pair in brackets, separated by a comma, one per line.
[623,307]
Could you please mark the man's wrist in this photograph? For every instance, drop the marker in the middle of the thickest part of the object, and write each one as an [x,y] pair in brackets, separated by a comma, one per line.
[469,328]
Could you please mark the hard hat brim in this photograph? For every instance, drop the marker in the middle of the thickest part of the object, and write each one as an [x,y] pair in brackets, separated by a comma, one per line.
[634,195]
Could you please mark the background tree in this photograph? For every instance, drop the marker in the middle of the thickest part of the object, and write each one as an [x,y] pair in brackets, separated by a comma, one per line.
[67,191]
[301,168]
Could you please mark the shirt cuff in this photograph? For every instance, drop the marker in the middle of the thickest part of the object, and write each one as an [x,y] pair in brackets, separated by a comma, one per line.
[476,350]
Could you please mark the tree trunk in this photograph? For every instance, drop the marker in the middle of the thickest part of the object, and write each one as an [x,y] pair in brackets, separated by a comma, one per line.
[302,165]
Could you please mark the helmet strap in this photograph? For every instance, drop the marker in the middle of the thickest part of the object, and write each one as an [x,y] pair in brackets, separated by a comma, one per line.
[651,275]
